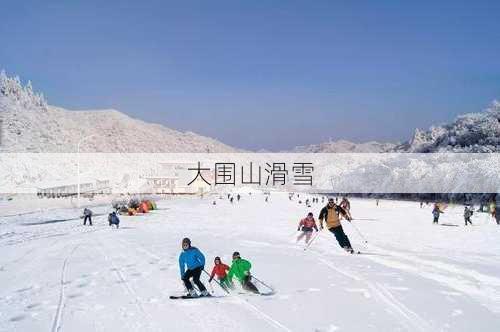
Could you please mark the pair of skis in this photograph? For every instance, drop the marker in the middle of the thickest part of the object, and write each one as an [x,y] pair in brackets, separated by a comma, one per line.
[185,297]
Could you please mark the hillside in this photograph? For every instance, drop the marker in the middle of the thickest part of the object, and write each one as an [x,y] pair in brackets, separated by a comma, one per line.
[473,132]
[343,146]
[29,124]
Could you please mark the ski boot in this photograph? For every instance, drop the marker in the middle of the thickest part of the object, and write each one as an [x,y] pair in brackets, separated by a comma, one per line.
[349,250]
[205,293]
[192,293]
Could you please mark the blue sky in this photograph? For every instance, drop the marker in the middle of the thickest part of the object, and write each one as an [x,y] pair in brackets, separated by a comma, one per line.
[262,74]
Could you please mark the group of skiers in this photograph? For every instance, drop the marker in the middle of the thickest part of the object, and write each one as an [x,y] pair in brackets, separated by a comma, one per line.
[192,264]
[192,260]
[468,213]
[230,198]
[112,218]
[331,214]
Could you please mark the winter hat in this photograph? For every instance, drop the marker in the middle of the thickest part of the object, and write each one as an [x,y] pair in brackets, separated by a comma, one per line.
[310,214]
[187,241]
[236,254]
[217,259]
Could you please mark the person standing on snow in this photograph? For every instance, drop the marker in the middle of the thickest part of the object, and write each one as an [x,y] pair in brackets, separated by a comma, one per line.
[467,214]
[240,268]
[346,205]
[435,213]
[331,213]
[87,215]
[193,259]
[307,225]
[496,210]
[220,270]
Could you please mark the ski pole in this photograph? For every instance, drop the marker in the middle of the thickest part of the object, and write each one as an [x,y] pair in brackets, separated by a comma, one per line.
[218,283]
[361,235]
[270,288]
[310,242]
[211,287]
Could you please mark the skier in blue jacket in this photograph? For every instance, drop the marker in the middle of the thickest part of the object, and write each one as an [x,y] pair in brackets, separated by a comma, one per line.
[193,259]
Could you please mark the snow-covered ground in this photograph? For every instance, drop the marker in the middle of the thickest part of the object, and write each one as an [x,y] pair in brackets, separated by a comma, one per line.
[58,275]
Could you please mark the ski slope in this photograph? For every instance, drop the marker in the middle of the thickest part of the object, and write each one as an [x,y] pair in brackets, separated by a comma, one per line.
[414,276]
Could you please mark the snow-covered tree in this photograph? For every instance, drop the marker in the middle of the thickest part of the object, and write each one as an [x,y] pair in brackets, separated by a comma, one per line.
[474,132]
[12,88]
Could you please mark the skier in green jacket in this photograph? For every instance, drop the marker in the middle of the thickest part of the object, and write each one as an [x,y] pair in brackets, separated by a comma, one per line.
[240,268]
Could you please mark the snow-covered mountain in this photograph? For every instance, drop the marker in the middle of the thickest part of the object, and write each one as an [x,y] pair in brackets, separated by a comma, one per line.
[474,132]
[343,146]
[29,124]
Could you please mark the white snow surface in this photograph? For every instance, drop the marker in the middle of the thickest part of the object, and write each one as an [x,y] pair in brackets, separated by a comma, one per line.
[415,276]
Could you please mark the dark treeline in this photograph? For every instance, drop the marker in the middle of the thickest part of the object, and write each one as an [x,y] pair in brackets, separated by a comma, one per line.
[454,198]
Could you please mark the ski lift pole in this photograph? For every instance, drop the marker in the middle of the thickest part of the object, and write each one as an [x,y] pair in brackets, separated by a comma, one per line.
[218,283]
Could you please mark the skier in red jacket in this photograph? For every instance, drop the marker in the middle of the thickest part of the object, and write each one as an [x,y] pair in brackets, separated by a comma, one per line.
[220,270]
[307,225]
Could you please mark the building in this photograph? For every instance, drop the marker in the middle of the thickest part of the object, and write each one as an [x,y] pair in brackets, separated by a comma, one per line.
[173,178]
[88,187]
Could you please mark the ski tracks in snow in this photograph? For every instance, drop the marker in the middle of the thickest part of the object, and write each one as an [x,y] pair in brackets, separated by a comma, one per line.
[243,302]
[129,290]
[408,318]
[484,288]
[56,326]
[273,322]
[411,320]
